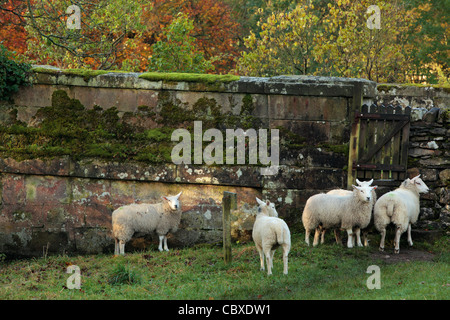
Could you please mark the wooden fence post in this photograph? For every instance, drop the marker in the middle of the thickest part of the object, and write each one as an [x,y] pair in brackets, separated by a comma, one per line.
[358,94]
[229,202]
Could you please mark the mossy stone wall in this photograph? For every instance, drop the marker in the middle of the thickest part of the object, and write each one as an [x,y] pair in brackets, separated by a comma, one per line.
[75,146]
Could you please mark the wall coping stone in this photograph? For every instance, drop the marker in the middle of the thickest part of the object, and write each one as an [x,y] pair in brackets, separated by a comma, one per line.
[282,85]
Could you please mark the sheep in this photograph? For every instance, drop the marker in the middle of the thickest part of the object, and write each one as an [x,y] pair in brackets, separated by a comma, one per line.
[270,232]
[336,211]
[163,217]
[401,207]
[343,192]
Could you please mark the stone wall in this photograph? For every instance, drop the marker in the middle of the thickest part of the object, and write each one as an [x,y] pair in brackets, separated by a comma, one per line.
[429,152]
[62,198]
[420,98]
[429,155]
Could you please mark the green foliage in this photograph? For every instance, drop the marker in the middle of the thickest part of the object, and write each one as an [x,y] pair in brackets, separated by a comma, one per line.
[12,74]
[178,51]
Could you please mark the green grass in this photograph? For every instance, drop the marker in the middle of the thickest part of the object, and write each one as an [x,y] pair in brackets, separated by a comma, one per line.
[325,272]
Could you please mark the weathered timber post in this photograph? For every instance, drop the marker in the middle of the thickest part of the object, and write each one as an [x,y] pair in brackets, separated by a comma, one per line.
[229,202]
[358,94]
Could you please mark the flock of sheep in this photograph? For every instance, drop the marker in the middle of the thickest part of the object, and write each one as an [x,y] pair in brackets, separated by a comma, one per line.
[337,209]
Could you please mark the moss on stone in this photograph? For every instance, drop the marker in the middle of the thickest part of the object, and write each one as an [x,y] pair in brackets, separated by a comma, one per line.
[336,148]
[68,128]
[188,77]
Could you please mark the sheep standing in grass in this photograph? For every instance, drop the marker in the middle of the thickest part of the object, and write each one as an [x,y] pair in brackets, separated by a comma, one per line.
[401,207]
[270,232]
[357,231]
[336,211]
[163,217]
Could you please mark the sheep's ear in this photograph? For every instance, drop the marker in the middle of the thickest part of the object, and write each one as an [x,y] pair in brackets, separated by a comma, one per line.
[178,195]
[259,201]
[354,187]
[267,203]
[374,187]
[164,198]
[416,177]
[370,182]
[358,182]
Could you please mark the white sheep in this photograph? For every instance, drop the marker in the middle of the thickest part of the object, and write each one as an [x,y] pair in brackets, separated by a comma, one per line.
[270,232]
[357,231]
[163,217]
[336,211]
[401,207]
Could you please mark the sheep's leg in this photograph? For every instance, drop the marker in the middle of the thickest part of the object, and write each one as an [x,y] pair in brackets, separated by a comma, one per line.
[166,248]
[398,233]
[307,236]
[316,237]
[161,238]
[122,247]
[268,262]
[350,238]
[358,236]
[322,237]
[337,235]
[261,256]
[271,257]
[116,246]
[366,238]
[410,242]
[383,236]
[285,258]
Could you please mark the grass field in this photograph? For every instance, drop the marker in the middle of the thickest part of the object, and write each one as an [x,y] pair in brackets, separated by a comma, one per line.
[326,272]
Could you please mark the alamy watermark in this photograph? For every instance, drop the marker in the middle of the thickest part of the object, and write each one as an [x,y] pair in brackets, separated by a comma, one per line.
[74,20]
[374,281]
[74,281]
[374,21]
[214,152]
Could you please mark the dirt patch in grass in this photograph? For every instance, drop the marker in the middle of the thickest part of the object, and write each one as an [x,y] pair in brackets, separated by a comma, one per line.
[405,255]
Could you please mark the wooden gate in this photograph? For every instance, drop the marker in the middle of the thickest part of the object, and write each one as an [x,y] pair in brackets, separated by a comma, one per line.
[379,145]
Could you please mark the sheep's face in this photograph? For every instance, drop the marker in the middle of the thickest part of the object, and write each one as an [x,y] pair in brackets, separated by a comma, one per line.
[363,193]
[267,208]
[419,184]
[173,202]
[364,183]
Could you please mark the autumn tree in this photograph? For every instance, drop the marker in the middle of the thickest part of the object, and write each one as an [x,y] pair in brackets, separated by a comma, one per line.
[177,50]
[332,40]
[215,32]
[12,25]
[284,46]
[348,47]
[95,43]
[429,37]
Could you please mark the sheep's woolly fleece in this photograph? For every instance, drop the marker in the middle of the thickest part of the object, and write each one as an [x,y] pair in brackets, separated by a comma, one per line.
[163,217]
[269,232]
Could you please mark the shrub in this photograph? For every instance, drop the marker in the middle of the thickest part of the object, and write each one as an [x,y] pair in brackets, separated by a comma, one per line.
[12,74]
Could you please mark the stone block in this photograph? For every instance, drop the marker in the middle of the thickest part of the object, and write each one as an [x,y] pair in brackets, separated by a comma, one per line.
[55,167]
[313,132]
[306,178]
[307,108]
[147,98]
[244,175]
